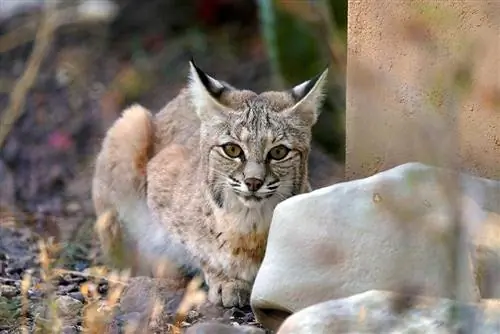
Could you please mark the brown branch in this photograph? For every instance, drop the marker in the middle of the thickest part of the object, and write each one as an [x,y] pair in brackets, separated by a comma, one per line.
[19,36]
[17,99]
[52,20]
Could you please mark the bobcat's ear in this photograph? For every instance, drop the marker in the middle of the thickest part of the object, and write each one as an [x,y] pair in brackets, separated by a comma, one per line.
[206,93]
[308,97]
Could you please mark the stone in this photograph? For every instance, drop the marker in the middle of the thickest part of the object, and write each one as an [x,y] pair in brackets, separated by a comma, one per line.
[210,327]
[144,296]
[139,300]
[385,232]
[142,293]
[8,291]
[77,295]
[378,312]
[130,320]
[73,207]
[68,307]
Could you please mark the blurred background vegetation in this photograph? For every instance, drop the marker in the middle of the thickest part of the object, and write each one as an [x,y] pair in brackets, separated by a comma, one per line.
[67,70]
[301,38]
[95,57]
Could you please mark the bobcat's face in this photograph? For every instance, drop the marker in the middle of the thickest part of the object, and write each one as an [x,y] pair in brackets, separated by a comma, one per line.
[255,146]
[257,153]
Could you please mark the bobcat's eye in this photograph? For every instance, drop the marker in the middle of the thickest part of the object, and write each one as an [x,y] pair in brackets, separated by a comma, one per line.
[279,152]
[232,150]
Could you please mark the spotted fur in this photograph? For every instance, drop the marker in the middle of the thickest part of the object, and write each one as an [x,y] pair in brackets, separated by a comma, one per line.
[194,205]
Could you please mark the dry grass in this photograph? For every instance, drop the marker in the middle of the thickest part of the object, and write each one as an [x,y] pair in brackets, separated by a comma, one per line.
[98,311]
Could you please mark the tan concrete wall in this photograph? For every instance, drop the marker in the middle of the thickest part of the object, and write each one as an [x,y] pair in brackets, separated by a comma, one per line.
[407,97]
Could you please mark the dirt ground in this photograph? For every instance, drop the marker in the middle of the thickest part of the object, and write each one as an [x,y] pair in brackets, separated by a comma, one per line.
[46,161]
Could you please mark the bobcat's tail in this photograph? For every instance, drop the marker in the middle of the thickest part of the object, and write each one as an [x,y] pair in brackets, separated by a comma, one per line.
[128,234]
[119,186]
[120,170]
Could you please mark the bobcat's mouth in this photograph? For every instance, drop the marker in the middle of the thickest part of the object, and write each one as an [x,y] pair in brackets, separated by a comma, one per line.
[252,197]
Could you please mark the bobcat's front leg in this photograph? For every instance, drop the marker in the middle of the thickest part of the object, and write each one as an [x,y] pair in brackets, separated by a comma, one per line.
[225,291]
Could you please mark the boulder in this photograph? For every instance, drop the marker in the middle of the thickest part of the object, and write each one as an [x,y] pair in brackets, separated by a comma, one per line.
[140,297]
[386,312]
[389,231]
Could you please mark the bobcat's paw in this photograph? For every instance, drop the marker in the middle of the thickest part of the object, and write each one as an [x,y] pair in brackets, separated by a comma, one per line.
[235,293]
[232,293]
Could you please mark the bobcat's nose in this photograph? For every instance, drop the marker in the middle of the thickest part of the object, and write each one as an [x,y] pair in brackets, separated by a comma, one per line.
[253,183]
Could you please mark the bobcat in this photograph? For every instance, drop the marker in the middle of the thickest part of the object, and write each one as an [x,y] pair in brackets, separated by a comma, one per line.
[198,182]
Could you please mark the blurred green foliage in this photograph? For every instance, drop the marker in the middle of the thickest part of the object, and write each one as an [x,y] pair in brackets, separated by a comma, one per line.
[298,42]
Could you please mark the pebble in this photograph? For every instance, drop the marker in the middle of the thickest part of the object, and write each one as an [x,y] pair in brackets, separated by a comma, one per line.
[192,315]
[130,319]
[77,295]
[73,207]
[68,307]
[8,281]
[66,289]
[8,291]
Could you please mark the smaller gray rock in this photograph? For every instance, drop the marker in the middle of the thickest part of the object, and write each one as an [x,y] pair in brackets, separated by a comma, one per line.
[142,292]
[130,320]
[210,327]
[66,289]
[68,307]
[77,295]
[138,301]
[384,312]
[8,291]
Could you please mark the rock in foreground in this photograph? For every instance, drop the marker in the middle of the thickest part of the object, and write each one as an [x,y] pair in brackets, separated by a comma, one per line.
[385,312]
[385,232]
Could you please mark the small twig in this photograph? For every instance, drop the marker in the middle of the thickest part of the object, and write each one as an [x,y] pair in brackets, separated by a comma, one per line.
[20,36]
[43,40]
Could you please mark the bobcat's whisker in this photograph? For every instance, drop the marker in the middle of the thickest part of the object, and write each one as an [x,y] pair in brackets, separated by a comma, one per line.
[195,201]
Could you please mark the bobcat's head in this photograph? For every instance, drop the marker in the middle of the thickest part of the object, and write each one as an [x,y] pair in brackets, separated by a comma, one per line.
[254,146]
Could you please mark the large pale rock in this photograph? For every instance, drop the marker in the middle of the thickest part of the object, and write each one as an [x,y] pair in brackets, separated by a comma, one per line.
[383,312]
[386,232]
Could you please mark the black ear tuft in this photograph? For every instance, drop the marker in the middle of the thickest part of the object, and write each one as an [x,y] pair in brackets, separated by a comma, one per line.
[213,87]
[300,91]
